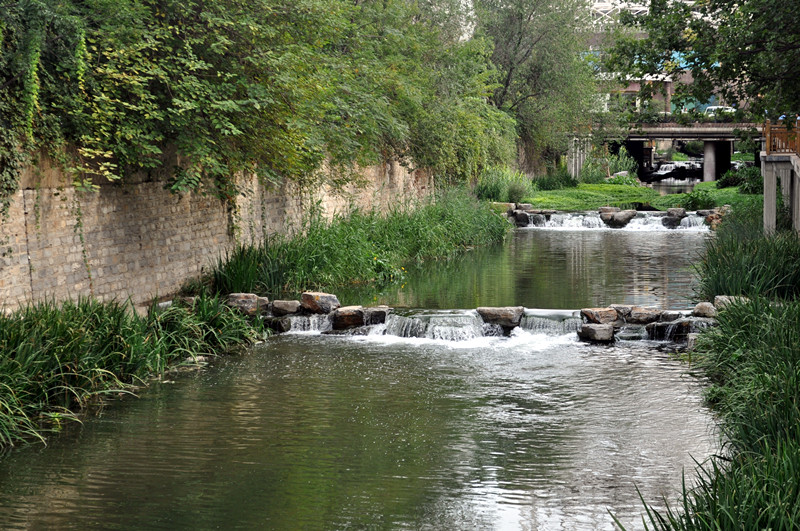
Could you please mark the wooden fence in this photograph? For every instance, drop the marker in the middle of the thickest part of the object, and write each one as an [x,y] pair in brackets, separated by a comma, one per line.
[782,139]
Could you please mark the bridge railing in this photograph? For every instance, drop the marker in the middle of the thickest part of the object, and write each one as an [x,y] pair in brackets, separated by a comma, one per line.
[782,139]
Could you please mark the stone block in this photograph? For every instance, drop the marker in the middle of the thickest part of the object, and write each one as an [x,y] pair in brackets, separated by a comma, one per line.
[318,302]
[505,316]
[347,317]
[600,315]
[602,333]
[704,309]
[281,308]
[376,314]
[642,315]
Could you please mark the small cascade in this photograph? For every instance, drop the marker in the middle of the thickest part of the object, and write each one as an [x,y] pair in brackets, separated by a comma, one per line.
[644,221]
[693,222]
[310,323]
[461,326]
[550,323]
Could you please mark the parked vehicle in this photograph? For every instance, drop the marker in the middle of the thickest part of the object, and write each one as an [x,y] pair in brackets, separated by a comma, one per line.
[715,111]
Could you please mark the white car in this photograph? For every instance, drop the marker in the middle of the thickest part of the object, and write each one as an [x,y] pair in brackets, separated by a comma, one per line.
[715,110]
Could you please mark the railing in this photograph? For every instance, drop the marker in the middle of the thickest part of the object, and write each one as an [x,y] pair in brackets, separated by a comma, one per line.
[782,139]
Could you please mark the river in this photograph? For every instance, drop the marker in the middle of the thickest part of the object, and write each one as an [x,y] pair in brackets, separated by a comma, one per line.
[310,431]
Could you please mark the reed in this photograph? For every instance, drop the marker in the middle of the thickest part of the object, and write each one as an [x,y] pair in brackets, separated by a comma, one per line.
[740,260]
[365,247]
[57,358]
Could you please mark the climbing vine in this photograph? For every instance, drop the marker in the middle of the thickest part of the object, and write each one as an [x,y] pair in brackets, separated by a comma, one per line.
[277,88]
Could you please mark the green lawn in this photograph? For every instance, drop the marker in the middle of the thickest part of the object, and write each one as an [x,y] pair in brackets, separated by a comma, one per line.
[593,196]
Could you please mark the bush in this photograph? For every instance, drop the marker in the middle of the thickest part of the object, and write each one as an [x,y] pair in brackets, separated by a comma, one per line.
[600,167]
[555,179]
[698,200]
[501,183]
[752,181]
[729,179]
[626,180]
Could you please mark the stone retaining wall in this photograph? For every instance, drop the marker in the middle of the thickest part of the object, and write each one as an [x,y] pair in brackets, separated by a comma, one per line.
[140,241]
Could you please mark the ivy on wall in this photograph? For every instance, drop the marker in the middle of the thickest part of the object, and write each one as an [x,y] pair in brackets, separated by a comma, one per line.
[274,87]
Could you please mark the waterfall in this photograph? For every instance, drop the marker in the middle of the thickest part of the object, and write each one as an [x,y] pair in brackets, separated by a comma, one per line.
[644,221]
[315,323]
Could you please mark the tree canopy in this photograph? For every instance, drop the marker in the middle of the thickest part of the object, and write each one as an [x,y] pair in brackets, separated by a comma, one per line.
[276,87]
[747,51]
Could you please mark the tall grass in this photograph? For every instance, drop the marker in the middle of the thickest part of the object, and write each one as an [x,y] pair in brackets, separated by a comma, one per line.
[752,363]
[741,261]
[56,358]
[364,247]
[501,183]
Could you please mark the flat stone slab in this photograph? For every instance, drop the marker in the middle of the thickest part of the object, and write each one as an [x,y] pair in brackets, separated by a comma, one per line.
[505,316]
[318,302]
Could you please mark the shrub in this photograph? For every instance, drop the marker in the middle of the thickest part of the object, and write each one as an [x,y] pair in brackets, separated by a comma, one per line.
[501,183]
[729,179]
[752,180]
[555,179]
[698,200]
[599,167]
[627,180]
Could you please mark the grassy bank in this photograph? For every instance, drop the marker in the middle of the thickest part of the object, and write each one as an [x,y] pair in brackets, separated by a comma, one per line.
[752,362]
[57,358]
[593,196]
[362,248]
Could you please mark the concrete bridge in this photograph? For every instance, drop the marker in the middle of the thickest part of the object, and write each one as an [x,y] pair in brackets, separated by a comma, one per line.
[780,163]
[717,138]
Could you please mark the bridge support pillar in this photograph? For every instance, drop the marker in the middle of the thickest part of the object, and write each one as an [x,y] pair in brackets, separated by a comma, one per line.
[786,168]
[716,159]
[636,149]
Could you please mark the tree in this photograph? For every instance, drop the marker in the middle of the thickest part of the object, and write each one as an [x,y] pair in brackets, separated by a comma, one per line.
[747,51]
[546,81]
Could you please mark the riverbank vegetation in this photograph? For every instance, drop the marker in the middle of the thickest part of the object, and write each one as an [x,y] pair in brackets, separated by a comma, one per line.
[752,362]
[364,247]
[56,359]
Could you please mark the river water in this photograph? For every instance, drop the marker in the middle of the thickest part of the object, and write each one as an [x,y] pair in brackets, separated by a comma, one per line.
[380,431]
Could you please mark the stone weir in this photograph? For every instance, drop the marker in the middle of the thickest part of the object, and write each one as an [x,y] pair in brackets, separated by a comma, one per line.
[524,215]
[322,312]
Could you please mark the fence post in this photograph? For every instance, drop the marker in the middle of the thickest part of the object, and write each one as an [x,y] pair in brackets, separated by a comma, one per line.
[767,137]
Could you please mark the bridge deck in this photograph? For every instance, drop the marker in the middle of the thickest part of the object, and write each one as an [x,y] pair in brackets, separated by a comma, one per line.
[710,131]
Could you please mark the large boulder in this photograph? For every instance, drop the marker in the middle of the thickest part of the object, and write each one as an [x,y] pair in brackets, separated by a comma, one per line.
[642,315]
[248,303]
[522,219]
[671,222]
[721,301]
[623,310]
[704,309]
[347,317]
[600,315]
[318,302]
[602,333]
[505,316]
[281,308]
[679,213]
[537,220]
[618,220]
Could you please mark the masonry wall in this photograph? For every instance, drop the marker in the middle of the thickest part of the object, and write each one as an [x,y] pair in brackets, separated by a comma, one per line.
[139,241]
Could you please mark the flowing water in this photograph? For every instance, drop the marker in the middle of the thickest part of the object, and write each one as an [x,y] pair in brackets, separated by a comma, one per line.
[430,421]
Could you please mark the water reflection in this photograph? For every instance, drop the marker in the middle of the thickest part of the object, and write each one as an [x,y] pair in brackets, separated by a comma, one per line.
[328,432]
[558,269]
